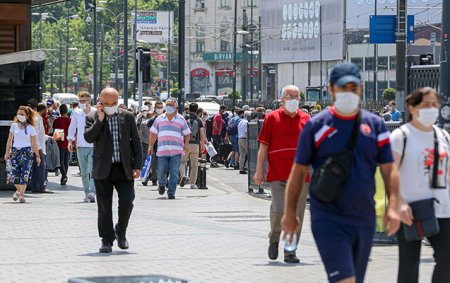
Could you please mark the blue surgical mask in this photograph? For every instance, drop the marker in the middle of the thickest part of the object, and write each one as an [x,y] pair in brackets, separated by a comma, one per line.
[170,110]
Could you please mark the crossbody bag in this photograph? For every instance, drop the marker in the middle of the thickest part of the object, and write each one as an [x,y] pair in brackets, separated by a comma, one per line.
[328,181]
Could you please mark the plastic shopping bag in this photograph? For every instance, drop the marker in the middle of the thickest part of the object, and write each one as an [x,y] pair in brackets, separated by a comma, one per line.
[211,150]
[146,168]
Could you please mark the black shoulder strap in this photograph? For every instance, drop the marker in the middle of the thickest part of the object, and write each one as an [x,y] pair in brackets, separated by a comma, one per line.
[355,131]
[404,146]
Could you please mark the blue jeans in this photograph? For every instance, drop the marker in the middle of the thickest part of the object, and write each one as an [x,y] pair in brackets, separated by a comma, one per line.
[84,155]
[169,164]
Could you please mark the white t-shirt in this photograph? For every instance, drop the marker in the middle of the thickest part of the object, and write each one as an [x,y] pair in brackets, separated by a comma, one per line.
[416,170]
[20,138]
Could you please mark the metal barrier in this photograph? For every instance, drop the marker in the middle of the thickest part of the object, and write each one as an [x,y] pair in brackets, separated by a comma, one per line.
[253,129]
[423,76]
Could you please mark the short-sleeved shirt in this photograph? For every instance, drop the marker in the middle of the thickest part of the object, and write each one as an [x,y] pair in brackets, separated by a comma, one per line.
[170,134]
[217,119]
[62,123]
[193,119]
[327,134]
[416,170]
[280,133]
[396,115]
[22,139]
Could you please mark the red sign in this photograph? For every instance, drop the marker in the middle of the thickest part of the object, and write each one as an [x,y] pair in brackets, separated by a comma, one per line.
[153,53]
[200,72]
[161,58]
[253,73]
[224,73]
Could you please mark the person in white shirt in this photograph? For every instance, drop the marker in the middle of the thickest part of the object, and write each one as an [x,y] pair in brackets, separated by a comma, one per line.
[83,148]
[421,151]
[242,140]
[19,150]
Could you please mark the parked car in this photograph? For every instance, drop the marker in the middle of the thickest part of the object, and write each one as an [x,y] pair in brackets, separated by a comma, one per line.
[65,98]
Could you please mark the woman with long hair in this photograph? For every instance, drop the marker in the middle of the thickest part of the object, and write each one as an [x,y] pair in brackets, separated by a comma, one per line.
[421,151]
[19,150]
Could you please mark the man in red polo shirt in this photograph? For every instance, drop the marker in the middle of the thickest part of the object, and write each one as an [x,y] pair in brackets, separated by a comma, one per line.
[217,126]
[278,142]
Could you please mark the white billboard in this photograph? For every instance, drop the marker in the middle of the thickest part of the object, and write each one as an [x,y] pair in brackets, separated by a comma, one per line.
[153,26]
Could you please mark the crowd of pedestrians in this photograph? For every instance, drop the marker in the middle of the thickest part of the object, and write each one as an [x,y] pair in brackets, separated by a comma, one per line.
[330,154]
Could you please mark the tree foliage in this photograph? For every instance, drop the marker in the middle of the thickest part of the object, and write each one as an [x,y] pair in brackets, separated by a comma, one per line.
[389,94]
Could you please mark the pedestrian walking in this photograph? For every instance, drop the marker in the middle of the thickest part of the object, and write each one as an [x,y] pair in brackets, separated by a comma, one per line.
[232,131]
[61,126]
[142,124]
[118,161]
[159,109]
[242,141]
[83,148]
[38,183]
[278,139]
[217,126]
[19,150]
[197,139]
[421,152]
[173,135]
[344,145]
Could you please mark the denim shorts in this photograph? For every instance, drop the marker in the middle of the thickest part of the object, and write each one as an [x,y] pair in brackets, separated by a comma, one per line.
[235,143]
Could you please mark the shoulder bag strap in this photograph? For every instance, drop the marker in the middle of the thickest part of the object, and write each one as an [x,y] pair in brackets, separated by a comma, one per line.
[435,161]
[404,146]
[355,131]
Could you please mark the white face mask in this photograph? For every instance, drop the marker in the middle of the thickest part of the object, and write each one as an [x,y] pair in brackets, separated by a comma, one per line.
[144,114]
[22,118]
[170,110]
[428,116]
[110,110]
[159,111]
[346,102]
[291,105]
[82,106]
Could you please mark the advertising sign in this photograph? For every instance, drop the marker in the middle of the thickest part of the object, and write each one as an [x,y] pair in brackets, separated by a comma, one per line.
[224,82]
[153,26]
[199,80]
[292,28]
[161,58]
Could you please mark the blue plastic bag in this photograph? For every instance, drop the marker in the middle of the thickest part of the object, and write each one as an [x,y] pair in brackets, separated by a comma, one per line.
[146,168]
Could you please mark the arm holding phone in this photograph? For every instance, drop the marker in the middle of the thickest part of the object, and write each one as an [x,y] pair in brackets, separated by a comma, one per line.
[94,124]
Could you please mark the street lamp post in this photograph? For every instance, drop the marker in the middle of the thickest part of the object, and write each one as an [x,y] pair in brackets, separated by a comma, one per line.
[234,50]
[67,45]
[125,54]
[75,80]
[181,54]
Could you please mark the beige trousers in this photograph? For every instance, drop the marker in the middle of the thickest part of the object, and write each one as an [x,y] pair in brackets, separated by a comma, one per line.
[278,189]
[192,155]
[242,153]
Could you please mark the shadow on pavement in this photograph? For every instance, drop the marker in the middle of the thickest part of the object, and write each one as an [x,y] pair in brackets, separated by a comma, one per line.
[108,254]
[282,264]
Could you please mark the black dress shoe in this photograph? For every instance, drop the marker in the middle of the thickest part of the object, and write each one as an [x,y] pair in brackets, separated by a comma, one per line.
[291,258]
[64,181]
[122,241]
[243,172]
[154,183]
[273,251]
[171,196]
[162,190]
[106,247]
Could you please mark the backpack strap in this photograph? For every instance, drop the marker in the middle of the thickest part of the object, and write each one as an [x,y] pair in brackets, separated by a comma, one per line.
[404,146]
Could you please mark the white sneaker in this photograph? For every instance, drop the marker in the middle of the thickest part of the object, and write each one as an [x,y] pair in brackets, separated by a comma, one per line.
[86,198]
[194,187]
[91,197]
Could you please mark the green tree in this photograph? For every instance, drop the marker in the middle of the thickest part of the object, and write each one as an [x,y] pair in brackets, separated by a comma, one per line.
[238,95]
[389,94]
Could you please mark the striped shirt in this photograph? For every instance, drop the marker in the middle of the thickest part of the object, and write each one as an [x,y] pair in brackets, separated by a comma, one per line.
[170,134]
[113,123]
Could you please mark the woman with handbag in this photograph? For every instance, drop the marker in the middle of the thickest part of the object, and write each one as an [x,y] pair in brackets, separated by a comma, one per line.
[19,150]
[421,151]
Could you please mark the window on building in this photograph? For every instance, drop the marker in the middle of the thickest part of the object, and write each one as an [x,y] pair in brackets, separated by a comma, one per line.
[200,5]
[382,63]
[369,64]
[225,45]
[368,88]
[250,3]
[225,4]
[358,62]
[392,63]
[200,45]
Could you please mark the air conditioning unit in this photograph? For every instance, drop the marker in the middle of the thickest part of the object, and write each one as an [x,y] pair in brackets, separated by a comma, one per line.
[200,5]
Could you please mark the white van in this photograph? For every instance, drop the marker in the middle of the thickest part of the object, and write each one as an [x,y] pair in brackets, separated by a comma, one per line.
[65,98]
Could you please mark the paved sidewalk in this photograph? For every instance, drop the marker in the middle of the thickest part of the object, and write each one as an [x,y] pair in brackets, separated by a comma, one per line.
[215,235]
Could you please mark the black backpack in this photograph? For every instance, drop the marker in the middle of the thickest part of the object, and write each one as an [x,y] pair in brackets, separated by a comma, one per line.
[194,126]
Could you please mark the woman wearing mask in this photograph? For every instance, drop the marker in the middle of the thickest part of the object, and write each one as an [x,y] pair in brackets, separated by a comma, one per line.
[22,137]
[421,152]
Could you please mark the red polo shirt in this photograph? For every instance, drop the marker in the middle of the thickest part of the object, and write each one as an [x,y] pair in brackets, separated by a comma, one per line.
[280,133]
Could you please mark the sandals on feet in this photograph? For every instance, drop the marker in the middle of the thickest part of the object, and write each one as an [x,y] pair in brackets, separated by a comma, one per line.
[22,199]
[16,196]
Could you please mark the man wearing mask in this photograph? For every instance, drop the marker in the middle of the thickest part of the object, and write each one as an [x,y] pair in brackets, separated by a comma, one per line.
[278,140]
[159,109]
[83,148]
[344,227]
[173,135]
[118,161]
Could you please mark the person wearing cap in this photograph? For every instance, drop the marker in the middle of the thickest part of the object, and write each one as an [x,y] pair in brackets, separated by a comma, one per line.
[344,228]
[278,140]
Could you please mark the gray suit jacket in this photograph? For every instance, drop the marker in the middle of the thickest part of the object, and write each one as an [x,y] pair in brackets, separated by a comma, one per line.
[98,133]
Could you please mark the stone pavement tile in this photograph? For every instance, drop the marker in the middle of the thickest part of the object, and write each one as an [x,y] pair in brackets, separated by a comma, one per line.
[215,235]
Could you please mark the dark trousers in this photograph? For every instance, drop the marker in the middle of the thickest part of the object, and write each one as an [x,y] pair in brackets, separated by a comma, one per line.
[64,156]
[38,177]
[216,140]
[409,255]
[104,189]
[154,167]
